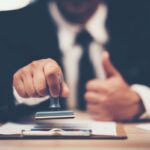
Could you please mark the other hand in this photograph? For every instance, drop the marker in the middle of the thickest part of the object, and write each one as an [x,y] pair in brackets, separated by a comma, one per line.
[112,99]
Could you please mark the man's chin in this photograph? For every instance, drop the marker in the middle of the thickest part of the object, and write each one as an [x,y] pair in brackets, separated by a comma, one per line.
[77,11]
[76,8]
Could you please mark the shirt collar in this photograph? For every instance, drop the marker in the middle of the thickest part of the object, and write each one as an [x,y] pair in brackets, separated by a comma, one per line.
[95,25]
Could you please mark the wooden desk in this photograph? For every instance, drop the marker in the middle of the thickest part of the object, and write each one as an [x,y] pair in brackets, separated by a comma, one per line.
[138,139]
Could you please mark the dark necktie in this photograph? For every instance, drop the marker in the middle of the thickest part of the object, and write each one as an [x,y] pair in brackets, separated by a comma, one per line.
[86,70]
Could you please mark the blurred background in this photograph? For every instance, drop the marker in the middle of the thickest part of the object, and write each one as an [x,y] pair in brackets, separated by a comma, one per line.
[23,30]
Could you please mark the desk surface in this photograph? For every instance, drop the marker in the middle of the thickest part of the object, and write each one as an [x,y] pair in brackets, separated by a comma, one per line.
[137,139]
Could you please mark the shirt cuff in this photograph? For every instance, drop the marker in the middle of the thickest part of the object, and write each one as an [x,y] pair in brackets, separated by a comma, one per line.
[28,101]
[144,93]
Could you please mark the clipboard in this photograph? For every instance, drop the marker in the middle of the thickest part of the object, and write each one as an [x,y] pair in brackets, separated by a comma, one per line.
[121,134]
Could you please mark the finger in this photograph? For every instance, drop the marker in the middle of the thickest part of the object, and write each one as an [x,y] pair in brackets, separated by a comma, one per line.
[28,84]
[93,108]
[108,66]
[92,97]
[19,86]
[65,90]
[97,86]
[52,75]
[96,98]
[39,82]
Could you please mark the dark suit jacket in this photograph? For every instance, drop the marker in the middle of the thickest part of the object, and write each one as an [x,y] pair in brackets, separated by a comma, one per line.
[30,34]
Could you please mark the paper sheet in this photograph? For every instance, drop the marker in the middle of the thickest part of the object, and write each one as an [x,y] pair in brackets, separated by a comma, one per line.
[98,128]
[13,128]
[144,126]
[104,128]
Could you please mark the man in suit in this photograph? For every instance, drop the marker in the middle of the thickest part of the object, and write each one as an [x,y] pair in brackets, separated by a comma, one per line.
[70,35]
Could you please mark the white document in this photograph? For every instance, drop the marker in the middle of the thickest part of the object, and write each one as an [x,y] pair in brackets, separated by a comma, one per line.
[144,126]
[98,128]
[104,128]
[13,128]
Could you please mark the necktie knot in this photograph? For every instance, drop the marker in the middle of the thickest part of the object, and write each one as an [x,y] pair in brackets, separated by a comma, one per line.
[84,39]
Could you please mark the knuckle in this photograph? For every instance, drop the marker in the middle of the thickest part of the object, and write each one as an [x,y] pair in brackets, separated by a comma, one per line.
[41,90]
[15,76]
[23,73]
[51,61]
[30,90]
[24,70]
[52,72]
[31,93]
[22,94]
[33,64]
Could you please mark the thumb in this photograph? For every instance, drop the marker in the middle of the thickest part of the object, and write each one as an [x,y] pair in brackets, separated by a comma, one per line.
[109,69]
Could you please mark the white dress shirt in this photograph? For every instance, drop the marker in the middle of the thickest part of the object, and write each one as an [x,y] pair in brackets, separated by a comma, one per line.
[72,53]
